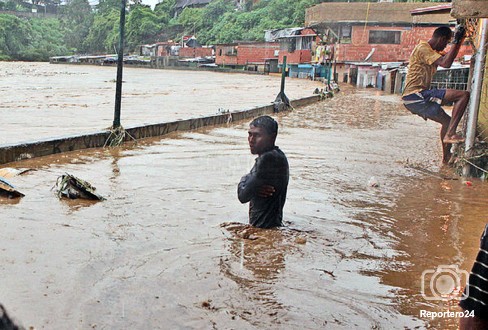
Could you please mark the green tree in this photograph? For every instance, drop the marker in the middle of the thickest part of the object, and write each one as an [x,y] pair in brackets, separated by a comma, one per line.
[165,10]
[142,26]
[103,34]
[46,39]
[192,19]
[77,18]
[15,35]
[105,6]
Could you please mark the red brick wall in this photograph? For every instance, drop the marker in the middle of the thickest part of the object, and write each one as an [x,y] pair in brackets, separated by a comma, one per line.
[256,53]
[195,52]
[224,59]
[246,53]
[298,56]
[359,48]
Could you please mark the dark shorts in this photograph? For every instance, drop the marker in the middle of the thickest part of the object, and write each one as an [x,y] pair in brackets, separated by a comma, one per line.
[426,104]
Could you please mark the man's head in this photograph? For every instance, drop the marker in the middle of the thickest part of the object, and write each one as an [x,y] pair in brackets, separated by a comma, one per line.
[441,37]
[262,134]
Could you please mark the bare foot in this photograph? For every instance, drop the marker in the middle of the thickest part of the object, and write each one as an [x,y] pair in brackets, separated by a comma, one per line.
[453,139]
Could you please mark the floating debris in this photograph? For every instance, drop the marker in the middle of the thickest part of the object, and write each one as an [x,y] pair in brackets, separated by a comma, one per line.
[117,136]
[9,172]
[323,93]
[282,103]
[373,182]
[8,190]
[72,187]
[478,159]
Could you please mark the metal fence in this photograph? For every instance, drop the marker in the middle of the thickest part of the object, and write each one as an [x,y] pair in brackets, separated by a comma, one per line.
[456,78]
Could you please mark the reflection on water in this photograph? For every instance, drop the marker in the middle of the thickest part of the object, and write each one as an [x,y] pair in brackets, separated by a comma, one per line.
[351,256]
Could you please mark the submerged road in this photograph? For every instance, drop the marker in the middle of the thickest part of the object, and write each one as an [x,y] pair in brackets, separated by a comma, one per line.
[155,256]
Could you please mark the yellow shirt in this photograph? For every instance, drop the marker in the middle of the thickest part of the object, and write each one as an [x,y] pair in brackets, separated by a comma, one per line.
[421,68]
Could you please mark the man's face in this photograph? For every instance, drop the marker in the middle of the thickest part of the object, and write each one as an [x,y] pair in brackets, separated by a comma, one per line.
[442,43]
[259,140]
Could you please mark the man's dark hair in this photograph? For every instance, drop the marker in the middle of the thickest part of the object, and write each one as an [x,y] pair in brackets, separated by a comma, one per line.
[443,31]
[5,322]
[266,122]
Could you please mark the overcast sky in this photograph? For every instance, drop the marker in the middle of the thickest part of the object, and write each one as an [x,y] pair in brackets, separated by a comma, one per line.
[151,3]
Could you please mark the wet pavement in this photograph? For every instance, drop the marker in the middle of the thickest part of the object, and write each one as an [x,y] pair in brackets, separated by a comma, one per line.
[155,254]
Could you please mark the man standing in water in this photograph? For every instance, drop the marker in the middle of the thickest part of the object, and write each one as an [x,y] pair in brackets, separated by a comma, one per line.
[426,102]
[266,185]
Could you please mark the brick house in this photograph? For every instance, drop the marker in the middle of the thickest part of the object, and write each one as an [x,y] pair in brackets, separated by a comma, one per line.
[192,52]
[375,32]
[253,56]
[295,43]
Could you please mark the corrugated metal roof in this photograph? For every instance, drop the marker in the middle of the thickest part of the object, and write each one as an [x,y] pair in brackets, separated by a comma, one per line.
[446,7]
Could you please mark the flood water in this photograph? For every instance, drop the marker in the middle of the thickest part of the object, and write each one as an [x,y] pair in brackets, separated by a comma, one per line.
[42,100]
[155,254]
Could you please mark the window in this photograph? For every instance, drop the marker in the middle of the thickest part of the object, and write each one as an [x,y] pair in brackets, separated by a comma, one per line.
[288,45]
[384,37]
[345,34]
[306,43]
[230,51]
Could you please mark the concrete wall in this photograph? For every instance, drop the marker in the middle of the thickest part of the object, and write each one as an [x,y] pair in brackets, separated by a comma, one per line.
[469,9]
[15,152]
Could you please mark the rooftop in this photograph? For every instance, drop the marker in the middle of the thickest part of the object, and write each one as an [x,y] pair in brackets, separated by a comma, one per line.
[373,13]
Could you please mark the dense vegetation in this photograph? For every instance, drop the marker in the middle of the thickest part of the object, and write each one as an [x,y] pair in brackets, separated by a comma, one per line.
[79,28]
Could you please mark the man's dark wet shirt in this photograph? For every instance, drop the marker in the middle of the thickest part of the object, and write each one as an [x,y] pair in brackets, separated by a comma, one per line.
[270,168]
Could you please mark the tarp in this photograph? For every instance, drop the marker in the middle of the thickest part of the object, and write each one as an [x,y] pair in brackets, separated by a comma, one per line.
[272,35]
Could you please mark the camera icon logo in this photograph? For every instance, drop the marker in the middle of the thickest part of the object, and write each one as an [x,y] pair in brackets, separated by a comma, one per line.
[444,283]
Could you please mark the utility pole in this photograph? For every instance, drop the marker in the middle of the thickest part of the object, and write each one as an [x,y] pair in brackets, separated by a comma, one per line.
[120,64]
[474,102]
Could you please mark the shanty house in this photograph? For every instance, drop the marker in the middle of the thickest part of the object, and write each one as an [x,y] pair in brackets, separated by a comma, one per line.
[377,32]
[365,33]
[253,56]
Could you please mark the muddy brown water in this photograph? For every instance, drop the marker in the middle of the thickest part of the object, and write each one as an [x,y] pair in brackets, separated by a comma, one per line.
[42,100]
[155,255]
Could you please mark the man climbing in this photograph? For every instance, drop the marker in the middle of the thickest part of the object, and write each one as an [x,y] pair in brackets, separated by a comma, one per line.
[425,102]
[266,185]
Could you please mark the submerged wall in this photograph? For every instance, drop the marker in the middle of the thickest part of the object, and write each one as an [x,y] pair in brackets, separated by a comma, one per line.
[15,152]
